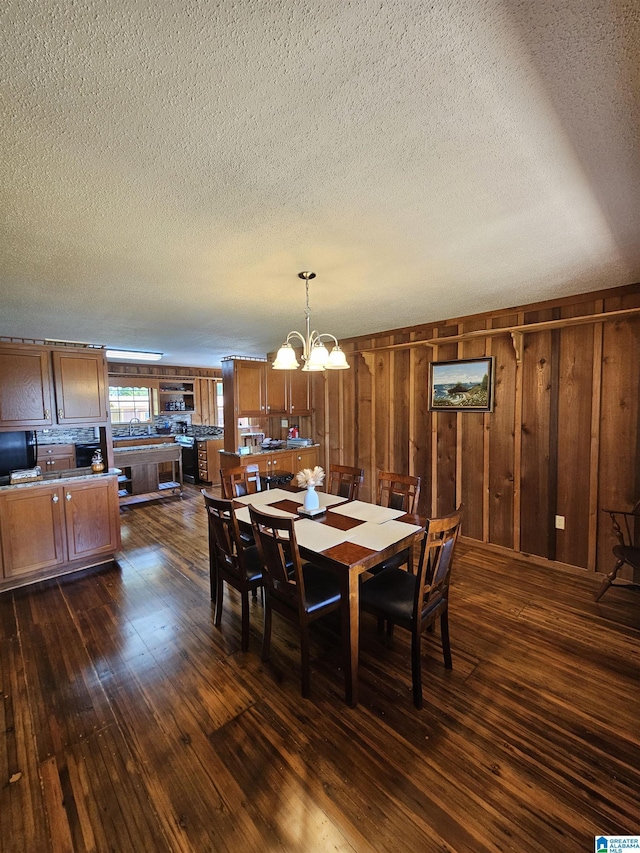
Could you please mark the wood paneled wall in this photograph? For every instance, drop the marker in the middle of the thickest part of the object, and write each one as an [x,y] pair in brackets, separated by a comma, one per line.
[563,438]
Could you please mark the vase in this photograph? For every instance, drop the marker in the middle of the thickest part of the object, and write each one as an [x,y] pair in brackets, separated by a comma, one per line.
[311,499]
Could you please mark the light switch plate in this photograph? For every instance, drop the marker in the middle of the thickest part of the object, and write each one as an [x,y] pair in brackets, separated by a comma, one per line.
[559,522]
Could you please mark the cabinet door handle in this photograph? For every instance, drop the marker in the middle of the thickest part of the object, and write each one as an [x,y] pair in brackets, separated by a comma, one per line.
[60,414]
[46,414]
[55,499]
[68,496]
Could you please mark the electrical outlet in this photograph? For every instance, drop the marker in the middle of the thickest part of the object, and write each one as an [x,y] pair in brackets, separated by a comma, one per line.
[559,522]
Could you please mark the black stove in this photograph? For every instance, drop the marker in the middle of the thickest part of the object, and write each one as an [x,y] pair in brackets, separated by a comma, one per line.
[189,457]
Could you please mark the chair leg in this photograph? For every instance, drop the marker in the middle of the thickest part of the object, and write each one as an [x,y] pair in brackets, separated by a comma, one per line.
[245,621]
[304,660]
[380,624]
[213,580]
[416,668]
[444,635]
[219,599]
[608,581]
[266,635]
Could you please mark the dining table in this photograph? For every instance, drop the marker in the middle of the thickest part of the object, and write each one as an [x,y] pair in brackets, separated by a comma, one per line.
[347,537]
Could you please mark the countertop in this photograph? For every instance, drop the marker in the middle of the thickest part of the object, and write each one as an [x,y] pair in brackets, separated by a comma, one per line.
[262,452]
[74,475]
[151,448]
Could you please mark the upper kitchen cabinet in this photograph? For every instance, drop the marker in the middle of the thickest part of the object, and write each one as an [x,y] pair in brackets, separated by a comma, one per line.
[299,400]
[287,392]
[26,398]
[277,391]
[42,386]
[245,384]
[80,385]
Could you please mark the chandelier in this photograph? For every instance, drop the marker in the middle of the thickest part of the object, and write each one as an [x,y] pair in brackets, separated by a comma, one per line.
[315,355]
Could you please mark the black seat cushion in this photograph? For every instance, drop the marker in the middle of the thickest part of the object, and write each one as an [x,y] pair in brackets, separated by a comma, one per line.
[321,587]
[390,592]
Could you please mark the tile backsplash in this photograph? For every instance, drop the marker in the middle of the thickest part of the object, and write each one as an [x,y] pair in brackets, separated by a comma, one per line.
[60,435]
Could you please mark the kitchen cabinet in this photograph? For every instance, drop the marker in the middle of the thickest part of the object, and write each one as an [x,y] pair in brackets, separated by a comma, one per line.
[80,383]
[277,391]
[50,527]
[277,462]
[287,392]
[208,451]
[299,400]
[304,457]
[272,463]
[56,457]
[245,388]
[41,386]
[251,394]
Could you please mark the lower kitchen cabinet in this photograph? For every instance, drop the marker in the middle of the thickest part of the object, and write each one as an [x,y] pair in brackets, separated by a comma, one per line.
[209,460]
[277,462]
[56,457]
[304,457]
[49,528]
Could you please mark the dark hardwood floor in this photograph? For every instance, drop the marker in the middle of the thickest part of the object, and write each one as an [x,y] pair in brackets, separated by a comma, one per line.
[129,723]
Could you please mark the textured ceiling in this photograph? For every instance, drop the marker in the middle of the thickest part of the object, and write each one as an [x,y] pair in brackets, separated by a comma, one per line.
[168,168]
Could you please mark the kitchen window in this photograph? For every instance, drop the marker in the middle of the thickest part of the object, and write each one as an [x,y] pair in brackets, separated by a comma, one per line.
[130,401]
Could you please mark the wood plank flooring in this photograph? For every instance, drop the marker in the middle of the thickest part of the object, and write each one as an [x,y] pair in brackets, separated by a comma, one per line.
[130,723]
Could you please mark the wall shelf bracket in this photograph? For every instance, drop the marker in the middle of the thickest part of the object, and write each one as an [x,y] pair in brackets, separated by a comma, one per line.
[518,345]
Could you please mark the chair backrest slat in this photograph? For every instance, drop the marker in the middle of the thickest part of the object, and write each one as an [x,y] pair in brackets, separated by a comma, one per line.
[398,491]
[436,557]
[275,537]
[224,533]
[239,481]
[345,481]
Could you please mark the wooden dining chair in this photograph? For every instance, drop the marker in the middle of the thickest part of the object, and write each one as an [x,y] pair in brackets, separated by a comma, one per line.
[345,481]
[415,601]
[300,593]
[626,529]
[401,492]
[240,481]
[230,560]
[398,491]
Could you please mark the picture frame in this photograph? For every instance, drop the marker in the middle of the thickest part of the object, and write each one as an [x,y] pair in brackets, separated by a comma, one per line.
[464,385]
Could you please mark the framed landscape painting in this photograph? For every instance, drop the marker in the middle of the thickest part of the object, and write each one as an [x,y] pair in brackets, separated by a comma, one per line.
[461,386]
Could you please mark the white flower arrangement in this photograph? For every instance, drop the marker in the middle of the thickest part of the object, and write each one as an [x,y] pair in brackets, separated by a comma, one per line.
[310,477]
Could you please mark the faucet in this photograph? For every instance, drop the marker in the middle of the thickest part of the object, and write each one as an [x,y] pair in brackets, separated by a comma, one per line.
[131,423]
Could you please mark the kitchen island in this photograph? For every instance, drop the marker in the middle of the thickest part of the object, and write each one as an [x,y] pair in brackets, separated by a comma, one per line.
[141,479]
[62,523]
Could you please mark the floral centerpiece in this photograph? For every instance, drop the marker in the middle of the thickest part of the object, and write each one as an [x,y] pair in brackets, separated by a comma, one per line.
[309,478]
